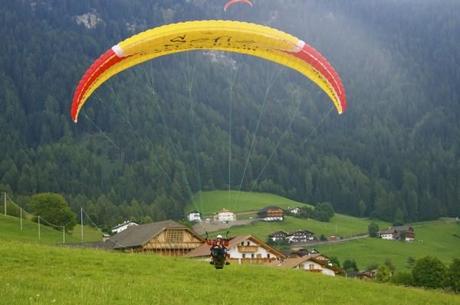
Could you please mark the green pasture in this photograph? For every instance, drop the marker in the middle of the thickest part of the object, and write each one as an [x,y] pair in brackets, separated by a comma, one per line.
[439,238]
[340,225]
[213,201]
[41,274]
[10,229]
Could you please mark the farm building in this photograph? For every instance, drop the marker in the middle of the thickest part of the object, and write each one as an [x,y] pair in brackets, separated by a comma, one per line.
[301,236]
[165,237]
[225,216]
[397,233]
[271,213]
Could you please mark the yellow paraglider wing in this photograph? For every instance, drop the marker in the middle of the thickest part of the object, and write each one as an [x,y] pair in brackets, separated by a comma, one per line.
[231,36]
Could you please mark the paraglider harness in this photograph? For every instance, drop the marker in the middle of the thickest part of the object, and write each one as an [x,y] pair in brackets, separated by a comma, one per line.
[218,251]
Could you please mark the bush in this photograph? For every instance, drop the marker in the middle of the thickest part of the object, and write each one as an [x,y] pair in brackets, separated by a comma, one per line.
[383,274]
[453,275]
[323,212]
[403,278]
[373,229]
[53,208]
[429,272]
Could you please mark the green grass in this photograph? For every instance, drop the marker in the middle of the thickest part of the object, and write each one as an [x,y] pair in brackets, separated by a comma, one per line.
[435,238]
[10,230]
[40,274]
[340,225]
[213,201]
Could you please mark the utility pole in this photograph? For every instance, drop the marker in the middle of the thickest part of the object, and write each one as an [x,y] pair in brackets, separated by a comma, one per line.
[63,234]
[81,223]
[20,217]
[39,228]
[4,201]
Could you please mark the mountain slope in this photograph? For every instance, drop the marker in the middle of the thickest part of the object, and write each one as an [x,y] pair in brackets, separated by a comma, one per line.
[146,143]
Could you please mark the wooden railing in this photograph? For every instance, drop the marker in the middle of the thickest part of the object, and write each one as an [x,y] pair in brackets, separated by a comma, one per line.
[247,249]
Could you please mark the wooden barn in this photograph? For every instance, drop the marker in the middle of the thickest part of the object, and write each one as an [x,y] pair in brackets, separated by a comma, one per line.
[165,238]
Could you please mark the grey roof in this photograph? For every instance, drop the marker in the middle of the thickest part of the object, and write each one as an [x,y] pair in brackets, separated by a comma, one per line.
[394,229]
[137,236]
[269,207]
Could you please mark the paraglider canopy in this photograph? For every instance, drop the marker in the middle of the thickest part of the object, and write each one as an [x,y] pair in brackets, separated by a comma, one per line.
[231,36]
[232,2]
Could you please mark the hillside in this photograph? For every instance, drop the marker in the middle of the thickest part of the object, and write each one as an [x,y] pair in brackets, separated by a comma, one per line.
[10,230]
[38,274]
[213,201]
[436,238]
[339,225]
[155,135]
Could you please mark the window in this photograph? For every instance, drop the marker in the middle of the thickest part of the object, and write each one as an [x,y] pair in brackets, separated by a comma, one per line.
[252,255]
[174,236]
[311,266]
[248,244]
[268,255]
[244,255]
[242,243]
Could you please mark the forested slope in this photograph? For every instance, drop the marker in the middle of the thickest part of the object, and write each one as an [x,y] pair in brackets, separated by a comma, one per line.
[155,135]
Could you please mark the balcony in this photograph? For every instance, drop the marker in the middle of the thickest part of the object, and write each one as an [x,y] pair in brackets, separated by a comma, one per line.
[247,249]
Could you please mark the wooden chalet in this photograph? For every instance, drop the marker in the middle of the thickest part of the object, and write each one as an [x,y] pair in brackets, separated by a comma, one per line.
[271,213]
[243,250]
[165,238]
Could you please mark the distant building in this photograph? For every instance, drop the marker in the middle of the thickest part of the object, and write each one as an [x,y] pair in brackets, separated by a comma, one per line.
[194,216]
[278,236]
[294,211]
[225,216]
[123,226]
[398,233]
[243,250]
[271,213]
[301,236]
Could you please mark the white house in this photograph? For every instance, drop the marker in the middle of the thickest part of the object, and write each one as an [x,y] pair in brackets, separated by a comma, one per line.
[225,216]
[301,236]
[294,211]
[243,250]
[123,226]
[194,216]
[311,263]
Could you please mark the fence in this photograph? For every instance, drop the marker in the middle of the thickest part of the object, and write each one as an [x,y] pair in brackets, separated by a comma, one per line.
[27,221]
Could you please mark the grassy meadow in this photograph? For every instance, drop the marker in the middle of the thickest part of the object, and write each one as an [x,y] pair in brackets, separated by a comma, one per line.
[436,238]
[213,201]
[10,230]
[41,274]
[340,225]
